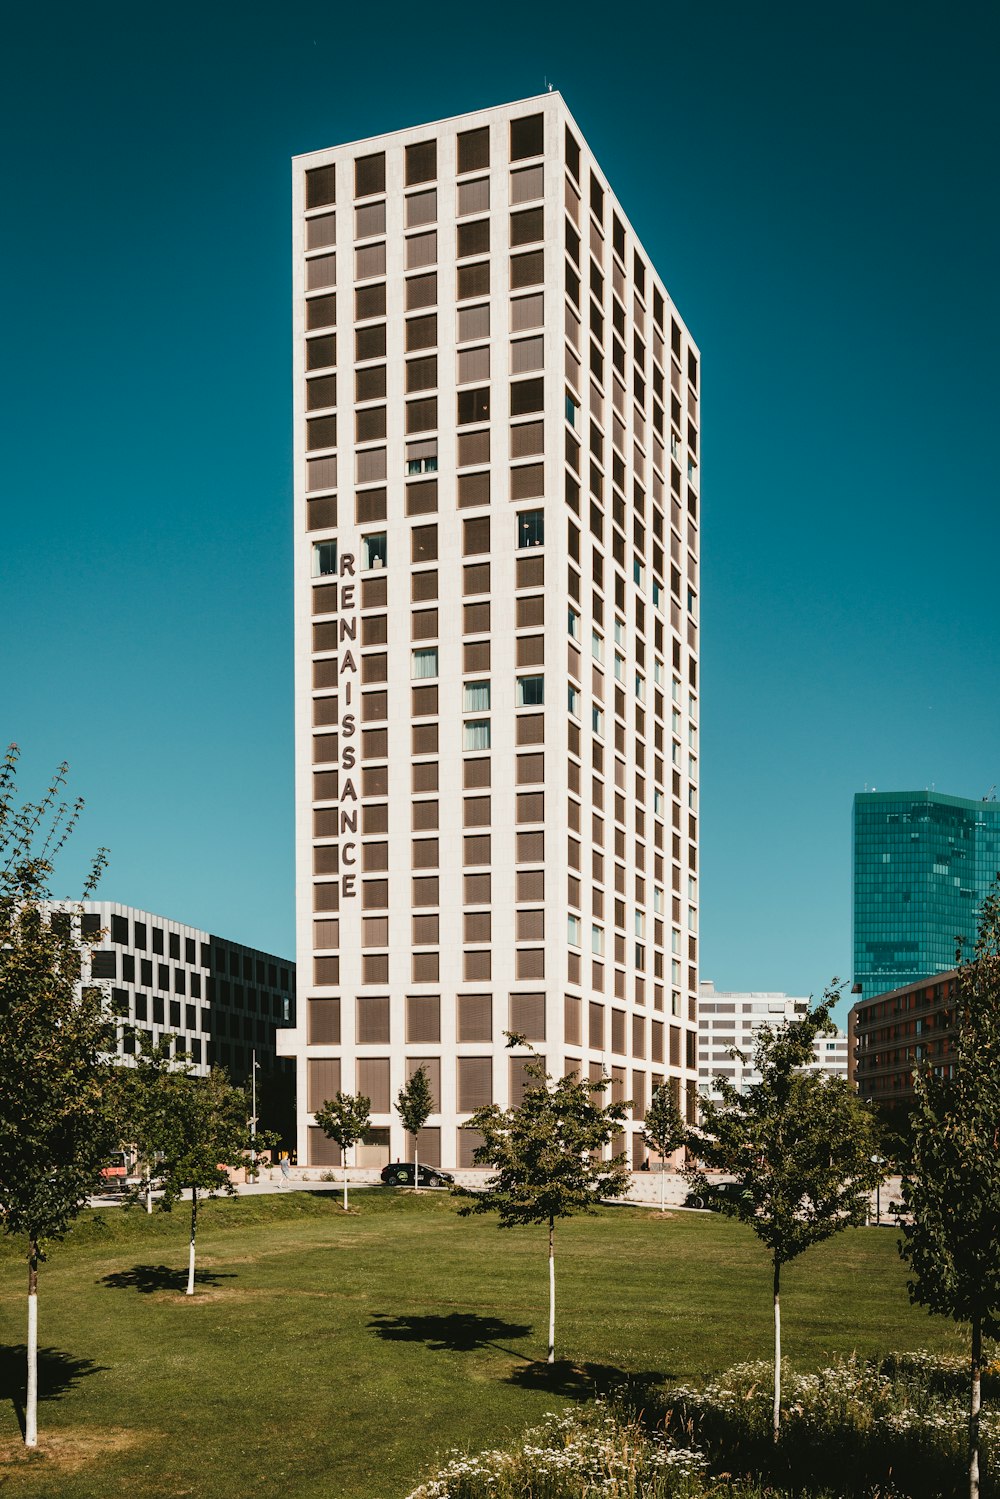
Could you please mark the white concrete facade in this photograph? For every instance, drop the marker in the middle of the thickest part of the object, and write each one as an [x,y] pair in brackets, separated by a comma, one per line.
[728,1019]
[496,602]
[220,1001]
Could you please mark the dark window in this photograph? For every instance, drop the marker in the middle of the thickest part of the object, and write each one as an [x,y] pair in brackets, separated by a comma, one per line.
[321,312]
[196,985]
[158,940]
[423,543]
[321,432]
[531,528]
[369,175]
[139,935]
[175,945]
[369,383]
[421,291]
[474,238]
[421,332]
[119,930]
[572,154]
[321,353]
[421,162]
[527,227]
[157,1010]
[141,1007]
[526,396]
[128,968]
[421,416]
[596,199]
[369,301]
[527,270]
[163,976]
[104,965]
[473,280]
[618,237]
[321,186]
[473,405]
[474,149]
[146,972]
[527,137]
[369,343]
[189,950]
[175,1012]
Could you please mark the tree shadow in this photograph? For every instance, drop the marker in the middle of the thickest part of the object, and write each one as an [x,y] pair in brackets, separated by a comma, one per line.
[149,1278]
[58,1373]
[456,1332]
[588,1381]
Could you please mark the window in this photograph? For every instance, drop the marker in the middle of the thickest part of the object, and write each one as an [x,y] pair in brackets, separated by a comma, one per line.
[530,528]
[369,175]
[473,405]
[476,697]
[530,692]
[596,646]
[476,734]
[421,162]
[597,940]
[638,573]
[573,623]
[573,700]
[573,931]
[373,550]
[473,154]
[640,688]
[424,663]
[324,559]
[597,721]
[527,396]
[527,137]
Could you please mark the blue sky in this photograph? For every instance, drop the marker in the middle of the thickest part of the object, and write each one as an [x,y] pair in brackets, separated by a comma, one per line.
[817,185]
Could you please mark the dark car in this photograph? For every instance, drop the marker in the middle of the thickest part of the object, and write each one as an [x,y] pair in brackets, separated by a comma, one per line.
[401,1174]
[714,1195]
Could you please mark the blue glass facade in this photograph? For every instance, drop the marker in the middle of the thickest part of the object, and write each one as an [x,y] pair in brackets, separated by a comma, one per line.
[922,864]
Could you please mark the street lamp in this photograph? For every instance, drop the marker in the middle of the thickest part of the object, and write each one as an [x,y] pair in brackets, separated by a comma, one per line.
[254,1064]
[878,1160]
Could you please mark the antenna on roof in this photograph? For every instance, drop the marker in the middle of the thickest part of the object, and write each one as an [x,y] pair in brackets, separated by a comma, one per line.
[991,795]
[548,86]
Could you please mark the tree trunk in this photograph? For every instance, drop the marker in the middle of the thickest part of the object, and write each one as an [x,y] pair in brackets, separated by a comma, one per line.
[31,1405]
[974,1404]
[194,1230]
[344,1151]
[777,1348]
[663,1183]
[552,1291]
[149,1194]
[416,1165]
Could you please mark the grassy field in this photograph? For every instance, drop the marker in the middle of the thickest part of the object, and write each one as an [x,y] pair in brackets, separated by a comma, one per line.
[337,1356]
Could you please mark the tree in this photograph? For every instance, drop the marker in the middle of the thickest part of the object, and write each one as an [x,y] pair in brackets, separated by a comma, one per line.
[800,1146]
[56,1131]
[202,1125]
[138,1102]
[546,1155]
[415,1105]
[952,1186]
[663,1129]
[345,1118]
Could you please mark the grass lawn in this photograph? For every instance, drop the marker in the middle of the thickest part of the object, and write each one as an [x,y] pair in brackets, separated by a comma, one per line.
[337,1356]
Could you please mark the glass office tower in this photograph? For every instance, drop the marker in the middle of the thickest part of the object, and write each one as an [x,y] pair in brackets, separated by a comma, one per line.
[922,864]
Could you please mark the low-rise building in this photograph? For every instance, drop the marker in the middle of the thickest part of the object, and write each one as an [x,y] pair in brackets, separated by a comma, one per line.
[895,1032]
[731,1019]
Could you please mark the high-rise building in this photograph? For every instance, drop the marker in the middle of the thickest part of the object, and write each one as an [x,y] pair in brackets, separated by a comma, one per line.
[895,1033]
[496,560]
[732,1019]
[922,864]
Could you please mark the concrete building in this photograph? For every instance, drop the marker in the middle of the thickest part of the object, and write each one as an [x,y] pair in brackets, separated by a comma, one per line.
[221,1000]
[895,1032]
[728,1019]
[922,864]
[497,435]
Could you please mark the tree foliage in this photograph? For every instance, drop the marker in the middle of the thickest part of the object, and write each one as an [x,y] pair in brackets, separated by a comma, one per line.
[56,1131]
[546,1155]
[801,1146]
[952,1189]
[414,1105]
[345,1119]
[663,1128]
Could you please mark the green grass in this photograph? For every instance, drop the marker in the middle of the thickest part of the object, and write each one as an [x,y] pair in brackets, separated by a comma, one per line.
[337,1356]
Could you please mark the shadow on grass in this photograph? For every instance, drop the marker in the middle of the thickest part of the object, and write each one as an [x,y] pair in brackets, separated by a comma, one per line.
[587,1381]
[149,1278]
[457,1332]
[58,1372]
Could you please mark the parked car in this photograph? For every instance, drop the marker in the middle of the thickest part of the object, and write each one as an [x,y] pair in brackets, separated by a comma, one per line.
[713,1196]
[401,1174]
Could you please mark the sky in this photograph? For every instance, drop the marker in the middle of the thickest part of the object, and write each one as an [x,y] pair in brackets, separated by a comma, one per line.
[817,185]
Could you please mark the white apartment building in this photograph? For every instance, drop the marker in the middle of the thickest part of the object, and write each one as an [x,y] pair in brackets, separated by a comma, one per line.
[728,1019]
[220,1002]
[496,630]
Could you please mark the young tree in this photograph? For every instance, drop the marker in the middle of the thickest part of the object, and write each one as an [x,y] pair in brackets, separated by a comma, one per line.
[345,1118]
[202,1126]
[138,1104]
[546,1155]
[56,1131]
[800,1145]
[663,1129]
[415,1105]
[952,1187]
